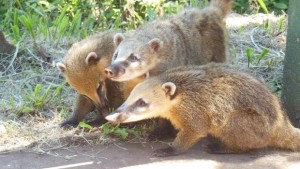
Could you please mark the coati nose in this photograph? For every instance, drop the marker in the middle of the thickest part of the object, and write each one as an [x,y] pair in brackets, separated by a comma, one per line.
[109,72]
[115,70]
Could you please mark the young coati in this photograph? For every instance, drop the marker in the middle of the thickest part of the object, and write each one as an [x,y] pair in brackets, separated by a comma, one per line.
[192,37]
[83,68]
[212,100]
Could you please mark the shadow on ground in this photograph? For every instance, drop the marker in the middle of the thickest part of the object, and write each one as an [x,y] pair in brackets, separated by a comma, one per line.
[137,155]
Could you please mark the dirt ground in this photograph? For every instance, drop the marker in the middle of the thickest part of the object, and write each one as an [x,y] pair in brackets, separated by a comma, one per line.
[137,155]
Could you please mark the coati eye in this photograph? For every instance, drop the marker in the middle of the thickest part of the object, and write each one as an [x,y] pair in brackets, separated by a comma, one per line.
[115,56]
[133,58]
[141,103]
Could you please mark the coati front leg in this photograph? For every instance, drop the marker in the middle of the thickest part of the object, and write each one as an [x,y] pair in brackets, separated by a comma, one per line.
[185,139]
[83,106]
[164,130]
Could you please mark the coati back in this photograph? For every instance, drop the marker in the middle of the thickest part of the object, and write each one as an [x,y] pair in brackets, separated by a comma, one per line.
[192,37]
[211,100]
[83,67]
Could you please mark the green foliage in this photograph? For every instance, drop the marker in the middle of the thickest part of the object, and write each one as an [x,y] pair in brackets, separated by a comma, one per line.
[263,5]
[249,53]
[45,18]
[241,6]
[274,30]
[255,58]
[37,98]
[266,6]
[85,125]
[123,133]
[54,19]
[276,5]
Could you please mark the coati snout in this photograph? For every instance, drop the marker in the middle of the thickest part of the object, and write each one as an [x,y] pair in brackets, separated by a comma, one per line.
[115,70]
[117,117]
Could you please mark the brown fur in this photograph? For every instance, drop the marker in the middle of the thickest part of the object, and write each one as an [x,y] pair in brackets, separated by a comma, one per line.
[231,106]
[192,37]
[88,79]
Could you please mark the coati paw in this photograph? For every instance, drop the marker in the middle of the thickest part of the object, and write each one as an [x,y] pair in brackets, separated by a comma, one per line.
[68,124]
[170,151]
[215,148]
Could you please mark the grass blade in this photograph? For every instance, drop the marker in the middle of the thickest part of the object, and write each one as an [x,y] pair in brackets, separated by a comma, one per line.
[263,5]
[249,53]
[262,55]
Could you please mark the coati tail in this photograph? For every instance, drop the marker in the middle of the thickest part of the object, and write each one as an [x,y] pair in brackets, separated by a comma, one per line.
[288,138]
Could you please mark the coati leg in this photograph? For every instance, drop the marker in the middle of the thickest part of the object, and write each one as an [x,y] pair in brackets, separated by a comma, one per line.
[183,141]
[215,146]
[101,113]
[164,130]
[83,106]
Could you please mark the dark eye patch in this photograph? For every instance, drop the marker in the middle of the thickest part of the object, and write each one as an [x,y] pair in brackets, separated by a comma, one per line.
[115,56]
[133,58]
[140,103]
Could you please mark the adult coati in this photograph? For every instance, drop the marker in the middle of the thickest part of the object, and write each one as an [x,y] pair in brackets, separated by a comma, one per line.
[212,100]
[191,37]
[83,67]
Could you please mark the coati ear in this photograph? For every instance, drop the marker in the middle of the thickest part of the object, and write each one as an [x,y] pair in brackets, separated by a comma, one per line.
[91,58]
[169,88]
[61,67]
[155,44]
[118,38]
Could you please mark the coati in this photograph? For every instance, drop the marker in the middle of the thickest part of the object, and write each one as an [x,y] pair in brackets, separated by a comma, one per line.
[83,67]
[192,37]
[211,100]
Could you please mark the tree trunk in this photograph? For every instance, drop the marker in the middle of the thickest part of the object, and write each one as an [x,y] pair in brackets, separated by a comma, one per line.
[291,73]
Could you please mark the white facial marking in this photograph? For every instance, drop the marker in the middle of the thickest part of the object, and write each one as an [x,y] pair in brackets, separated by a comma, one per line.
[128,75]
[134,64]
[147,75]
[112,117]
[135,117]
[119,59]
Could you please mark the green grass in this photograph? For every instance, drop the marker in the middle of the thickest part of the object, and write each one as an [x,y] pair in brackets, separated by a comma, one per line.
[55,19]
[127,133]
[37,99]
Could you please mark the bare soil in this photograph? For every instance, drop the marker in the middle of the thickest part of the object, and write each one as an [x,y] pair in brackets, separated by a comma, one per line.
[138,155]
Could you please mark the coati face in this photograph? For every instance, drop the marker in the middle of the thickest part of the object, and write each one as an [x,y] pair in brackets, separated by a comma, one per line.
[148,99]
[132,58]
[83,70]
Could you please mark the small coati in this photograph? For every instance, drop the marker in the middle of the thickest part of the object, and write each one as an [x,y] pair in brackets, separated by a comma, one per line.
[83,67]
[191,37]
[211,100]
